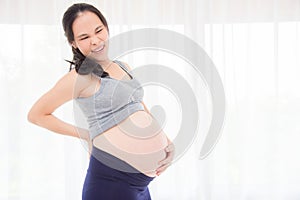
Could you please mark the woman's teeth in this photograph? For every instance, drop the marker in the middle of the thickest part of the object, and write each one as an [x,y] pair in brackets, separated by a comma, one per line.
[99,49]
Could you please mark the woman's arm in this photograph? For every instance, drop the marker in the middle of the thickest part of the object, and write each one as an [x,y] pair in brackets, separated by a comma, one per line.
[63,91]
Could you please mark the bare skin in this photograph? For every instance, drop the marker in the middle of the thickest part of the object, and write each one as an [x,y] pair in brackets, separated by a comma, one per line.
[90,36]
[143,154]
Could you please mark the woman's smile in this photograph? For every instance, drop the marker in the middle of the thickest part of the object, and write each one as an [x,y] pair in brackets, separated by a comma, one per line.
[99,49]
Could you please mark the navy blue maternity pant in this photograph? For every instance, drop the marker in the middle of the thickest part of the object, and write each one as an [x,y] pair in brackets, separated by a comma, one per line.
[109,178]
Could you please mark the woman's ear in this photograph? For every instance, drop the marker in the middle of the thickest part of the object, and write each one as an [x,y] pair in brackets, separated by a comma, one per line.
[74,45]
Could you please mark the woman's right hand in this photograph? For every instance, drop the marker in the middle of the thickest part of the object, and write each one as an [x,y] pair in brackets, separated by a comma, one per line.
[85,135]
[66,89]
[90,145]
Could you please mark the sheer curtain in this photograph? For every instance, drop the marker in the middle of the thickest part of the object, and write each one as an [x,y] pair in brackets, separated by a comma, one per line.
[256,49]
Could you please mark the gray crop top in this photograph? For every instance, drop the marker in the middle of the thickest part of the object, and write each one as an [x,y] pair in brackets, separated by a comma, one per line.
[112,103]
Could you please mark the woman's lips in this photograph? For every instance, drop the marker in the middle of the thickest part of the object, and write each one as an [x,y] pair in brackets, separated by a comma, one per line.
[99,49]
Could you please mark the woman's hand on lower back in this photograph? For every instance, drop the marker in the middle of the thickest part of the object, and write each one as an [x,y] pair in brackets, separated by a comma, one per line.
[90,144]
[85,135]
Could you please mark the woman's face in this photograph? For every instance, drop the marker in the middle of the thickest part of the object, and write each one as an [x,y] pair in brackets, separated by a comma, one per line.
[90,36]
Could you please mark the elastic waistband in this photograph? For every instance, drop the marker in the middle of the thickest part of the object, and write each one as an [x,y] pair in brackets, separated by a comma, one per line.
[119,168]
[112,161]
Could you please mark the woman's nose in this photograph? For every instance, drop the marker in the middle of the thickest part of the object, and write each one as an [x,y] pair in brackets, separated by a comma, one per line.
[95,40]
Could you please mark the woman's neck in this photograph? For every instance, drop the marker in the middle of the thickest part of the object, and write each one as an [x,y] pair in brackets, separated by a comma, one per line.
[105,64]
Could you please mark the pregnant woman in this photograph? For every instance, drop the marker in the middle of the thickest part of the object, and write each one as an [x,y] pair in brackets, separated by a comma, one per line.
[128,149]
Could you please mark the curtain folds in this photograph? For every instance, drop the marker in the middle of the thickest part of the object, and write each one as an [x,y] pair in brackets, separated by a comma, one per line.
[255,47]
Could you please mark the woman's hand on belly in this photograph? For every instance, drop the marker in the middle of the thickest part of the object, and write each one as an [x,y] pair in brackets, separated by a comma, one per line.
[164,164]
[143,153]
[146,162]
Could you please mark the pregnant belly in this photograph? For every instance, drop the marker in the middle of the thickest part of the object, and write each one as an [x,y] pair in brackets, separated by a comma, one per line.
[137,140]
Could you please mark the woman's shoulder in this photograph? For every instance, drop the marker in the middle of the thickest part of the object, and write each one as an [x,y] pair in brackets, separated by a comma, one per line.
[73,81]
[72,75]
[68,77]
[126,65]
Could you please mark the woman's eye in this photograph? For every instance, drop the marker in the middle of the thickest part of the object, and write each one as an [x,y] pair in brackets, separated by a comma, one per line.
[99,31]
[84,38]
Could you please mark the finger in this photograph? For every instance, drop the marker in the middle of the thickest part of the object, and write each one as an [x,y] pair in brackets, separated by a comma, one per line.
[159,173]
[163,168]
[170,147]
[165,164]
[170,154]
[168,159]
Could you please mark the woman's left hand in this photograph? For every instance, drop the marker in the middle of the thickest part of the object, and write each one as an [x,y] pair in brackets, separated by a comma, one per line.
[164,164]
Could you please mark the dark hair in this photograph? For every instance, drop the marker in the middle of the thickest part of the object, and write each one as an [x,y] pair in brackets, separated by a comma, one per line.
[83,65]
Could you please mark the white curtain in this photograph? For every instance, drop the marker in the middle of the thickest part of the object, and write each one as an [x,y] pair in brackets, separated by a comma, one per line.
[255,45]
